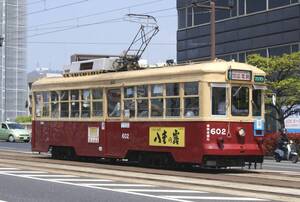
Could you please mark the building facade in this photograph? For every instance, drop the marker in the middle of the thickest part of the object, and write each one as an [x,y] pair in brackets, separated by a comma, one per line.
[266,27]
[13,59]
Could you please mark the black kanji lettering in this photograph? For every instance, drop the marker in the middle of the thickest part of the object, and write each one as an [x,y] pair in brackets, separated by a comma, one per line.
[164,136]
[157,138]
[176,137]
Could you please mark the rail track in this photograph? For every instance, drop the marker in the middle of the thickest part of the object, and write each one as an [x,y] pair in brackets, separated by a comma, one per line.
[268,185]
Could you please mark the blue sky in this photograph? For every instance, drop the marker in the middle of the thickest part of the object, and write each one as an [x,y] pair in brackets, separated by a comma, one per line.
[52,50]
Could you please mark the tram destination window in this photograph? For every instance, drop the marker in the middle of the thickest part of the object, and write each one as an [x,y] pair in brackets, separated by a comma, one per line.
[114,102]
[256,102]
[218,101]
[240,101]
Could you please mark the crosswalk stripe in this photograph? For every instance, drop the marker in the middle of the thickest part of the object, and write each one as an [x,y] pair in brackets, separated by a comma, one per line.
[162,191]
[50,176]
[8,169]
[215,198]
[22,171]
[118,185]
[80,180]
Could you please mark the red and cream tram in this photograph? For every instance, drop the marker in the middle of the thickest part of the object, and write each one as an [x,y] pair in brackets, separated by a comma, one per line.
[208,114]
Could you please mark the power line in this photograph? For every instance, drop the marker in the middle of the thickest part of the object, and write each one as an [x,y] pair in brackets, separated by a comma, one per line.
[51,8]
[98,13]
[115,20]
[92,43]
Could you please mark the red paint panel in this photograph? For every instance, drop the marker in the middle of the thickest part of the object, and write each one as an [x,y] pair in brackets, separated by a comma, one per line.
[201,138]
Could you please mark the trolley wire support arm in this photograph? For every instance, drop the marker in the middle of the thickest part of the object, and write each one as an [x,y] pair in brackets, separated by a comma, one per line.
[148,29]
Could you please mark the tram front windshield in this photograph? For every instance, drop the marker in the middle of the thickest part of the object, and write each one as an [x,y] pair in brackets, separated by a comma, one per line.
[239,101]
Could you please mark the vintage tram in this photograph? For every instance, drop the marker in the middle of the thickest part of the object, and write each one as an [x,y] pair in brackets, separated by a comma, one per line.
[208,113]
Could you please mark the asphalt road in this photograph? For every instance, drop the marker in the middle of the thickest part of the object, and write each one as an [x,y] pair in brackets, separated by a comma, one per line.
[17,185]
[269,163]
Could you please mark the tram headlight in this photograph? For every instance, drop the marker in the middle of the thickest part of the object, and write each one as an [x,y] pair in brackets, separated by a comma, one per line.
[242,132]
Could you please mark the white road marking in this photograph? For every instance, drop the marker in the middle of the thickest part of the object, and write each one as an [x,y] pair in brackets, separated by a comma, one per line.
[118,185]
[94,187]
[169,198]
[216,198]
[80,180]
[49,176]
[3,201]
[22,171]
[1,169]
[163,191]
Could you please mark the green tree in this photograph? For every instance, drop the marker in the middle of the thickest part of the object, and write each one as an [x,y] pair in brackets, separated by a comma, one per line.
[283,80]
[23,119]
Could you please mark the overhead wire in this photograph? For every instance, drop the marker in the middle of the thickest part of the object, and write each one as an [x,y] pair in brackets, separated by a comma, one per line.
[94,23]
[98,13]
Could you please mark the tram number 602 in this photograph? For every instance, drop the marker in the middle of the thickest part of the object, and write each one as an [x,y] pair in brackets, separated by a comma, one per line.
[217,131]
[125,136]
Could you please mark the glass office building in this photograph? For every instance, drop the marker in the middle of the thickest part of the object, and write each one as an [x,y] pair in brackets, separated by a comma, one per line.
[13,59]
[267,27]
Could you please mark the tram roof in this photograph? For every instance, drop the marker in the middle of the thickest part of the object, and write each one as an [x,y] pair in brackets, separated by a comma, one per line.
[209,67]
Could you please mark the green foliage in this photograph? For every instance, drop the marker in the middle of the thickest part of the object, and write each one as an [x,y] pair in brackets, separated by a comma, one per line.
[283,80]
[23,119]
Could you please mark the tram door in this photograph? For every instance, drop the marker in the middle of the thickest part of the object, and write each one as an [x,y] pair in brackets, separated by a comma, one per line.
[113,128]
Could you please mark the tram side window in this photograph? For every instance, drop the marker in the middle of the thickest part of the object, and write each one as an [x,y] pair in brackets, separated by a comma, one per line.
[74,103]
[97,94]
[129,102]
[64,105]
[38,104]
[256,102]
[191,99]
[142,101]
[54,104]
[157,104]
[172,100]
[45,104]
[240,101]
[86,103]
[218,101]
[114,102]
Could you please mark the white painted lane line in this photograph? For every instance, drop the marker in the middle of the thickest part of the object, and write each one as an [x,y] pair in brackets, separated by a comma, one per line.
[118,185]
[3,201]
[215,198]
[80,180]
[99,188]
[1,169]
[162,191]
[23,171]
[49,176]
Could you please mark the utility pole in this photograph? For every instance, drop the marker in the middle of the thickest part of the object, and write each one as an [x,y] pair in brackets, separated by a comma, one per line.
[212,7]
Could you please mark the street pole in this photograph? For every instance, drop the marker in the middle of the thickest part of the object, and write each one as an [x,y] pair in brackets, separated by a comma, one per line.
[213,30]
[212,7]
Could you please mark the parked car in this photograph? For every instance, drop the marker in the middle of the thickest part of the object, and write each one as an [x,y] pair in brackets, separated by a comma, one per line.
[14,132]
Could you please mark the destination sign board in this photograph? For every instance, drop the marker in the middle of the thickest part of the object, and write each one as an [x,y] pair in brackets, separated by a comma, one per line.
[259,79]
[240,75]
